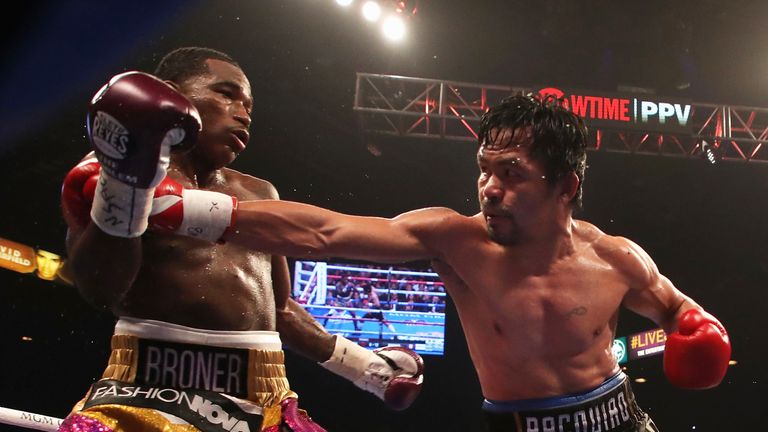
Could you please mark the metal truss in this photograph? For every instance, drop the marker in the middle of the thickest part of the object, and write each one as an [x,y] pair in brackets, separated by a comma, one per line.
[448,110]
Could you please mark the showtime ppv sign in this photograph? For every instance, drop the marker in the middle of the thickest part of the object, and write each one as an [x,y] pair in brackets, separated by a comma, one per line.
[625,112]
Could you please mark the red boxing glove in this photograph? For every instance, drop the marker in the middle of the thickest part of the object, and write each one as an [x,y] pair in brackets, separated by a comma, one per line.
[696,355]
[77,193]
[195,213]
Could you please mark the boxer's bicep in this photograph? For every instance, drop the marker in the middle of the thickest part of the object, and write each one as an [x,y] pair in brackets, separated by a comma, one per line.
[650,293]
[659,302]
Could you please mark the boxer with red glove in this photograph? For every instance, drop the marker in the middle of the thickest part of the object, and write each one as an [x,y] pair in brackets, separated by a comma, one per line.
[196,213]
[133,121]
[394,374]
[696,355]
[206,215]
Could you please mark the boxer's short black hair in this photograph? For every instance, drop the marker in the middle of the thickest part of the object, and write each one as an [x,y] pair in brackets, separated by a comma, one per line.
[559,136]
[184,63]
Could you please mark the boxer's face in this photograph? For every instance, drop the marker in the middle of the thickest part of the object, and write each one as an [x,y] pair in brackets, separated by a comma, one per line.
[223,98]
[515,197]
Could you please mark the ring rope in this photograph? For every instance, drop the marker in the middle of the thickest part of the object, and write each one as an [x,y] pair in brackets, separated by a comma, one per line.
[29,420]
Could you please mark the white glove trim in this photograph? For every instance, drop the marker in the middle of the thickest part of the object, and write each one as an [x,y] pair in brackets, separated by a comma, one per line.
[119,209]
[207,214]
[359,365]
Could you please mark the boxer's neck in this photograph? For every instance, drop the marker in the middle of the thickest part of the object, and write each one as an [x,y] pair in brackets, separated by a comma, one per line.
[198,172]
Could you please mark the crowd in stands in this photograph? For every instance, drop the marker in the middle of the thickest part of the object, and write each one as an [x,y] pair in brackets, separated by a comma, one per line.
[399,292]
[384,291]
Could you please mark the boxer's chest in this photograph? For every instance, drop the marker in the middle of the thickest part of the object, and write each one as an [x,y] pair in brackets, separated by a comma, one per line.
[568,306]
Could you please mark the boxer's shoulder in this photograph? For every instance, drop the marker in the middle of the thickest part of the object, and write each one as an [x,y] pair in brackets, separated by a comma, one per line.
[625,256]
[248,187]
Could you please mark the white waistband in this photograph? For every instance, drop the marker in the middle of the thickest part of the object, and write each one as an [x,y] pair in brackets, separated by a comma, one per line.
[160,330]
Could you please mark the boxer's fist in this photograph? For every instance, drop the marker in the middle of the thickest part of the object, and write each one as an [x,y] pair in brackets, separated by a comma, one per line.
[407,370]
[202,214]
[77,193]
[394,374]
[133,121]
[696,355]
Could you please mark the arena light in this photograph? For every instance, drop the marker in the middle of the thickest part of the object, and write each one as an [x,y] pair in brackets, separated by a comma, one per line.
[344,3]
[371,11]
[711,152]
[394,28]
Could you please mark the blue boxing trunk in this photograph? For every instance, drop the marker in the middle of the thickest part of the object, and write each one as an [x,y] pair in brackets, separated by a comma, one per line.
[610,407]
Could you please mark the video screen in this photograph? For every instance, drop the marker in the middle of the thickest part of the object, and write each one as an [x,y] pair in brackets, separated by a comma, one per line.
[374,305]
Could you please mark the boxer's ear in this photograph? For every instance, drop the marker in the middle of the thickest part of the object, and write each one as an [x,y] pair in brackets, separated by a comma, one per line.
[569,186]
[173,84]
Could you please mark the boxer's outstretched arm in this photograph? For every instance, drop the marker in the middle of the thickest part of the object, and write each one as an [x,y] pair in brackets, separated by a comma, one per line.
[302,230]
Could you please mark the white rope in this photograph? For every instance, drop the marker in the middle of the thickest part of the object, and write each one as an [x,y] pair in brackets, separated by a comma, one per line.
[380,270]
[29,420]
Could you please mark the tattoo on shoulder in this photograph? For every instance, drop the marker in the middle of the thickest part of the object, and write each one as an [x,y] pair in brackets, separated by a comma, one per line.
[581,310]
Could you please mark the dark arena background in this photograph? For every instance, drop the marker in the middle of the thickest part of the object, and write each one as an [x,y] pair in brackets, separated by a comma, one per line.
[694,197]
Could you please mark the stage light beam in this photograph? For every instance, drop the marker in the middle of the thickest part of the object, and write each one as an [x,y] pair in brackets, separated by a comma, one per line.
[394,28]
[371,11]
[344,3]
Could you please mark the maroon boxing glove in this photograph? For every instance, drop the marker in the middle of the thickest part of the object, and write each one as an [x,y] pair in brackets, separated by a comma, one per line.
[394,374]
[133,121]
[696,355]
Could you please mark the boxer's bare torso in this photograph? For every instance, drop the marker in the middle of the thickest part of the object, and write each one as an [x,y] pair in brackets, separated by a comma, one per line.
[537,327]
[202,284]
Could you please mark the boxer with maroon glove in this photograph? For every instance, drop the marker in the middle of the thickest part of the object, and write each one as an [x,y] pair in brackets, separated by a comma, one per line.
[696,355]
[210,297]
[133,121]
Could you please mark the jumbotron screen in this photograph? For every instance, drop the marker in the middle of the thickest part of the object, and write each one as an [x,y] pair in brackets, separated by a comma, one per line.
[374,305]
